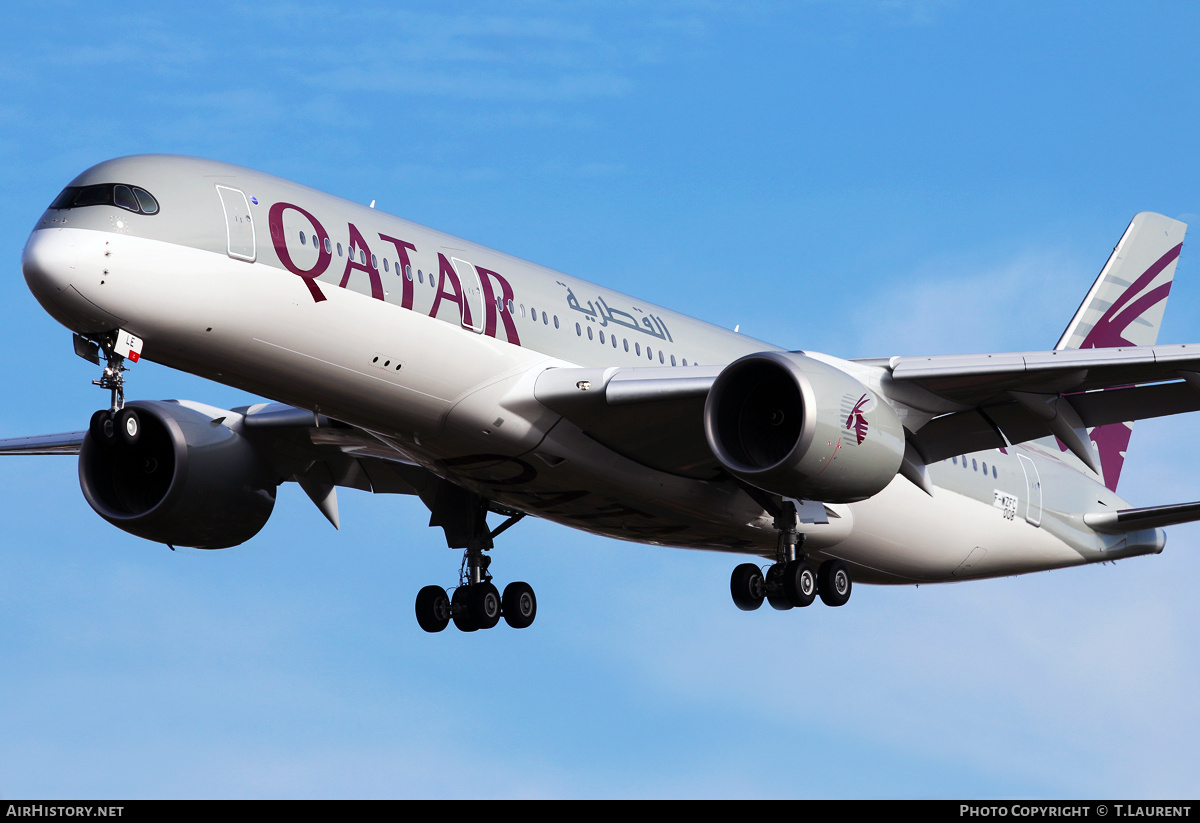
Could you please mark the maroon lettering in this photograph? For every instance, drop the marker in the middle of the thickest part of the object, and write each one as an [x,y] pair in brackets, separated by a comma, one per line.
[320,237]
[359,245]
[446,273]
[506,295]
[405,267]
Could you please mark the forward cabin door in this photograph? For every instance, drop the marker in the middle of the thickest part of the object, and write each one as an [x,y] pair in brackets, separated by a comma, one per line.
[239,225]
[473,308]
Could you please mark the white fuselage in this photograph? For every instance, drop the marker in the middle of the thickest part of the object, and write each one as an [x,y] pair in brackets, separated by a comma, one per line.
[433,344]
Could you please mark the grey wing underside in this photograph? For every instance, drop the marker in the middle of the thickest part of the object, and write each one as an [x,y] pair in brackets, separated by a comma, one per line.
[959,403]
[655,415]
[65,443]
[317,453]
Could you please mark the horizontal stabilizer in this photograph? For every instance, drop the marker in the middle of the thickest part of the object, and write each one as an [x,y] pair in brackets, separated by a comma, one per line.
[1150,517]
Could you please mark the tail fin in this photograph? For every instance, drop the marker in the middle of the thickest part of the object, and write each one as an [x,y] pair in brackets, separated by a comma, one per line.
[1125,308]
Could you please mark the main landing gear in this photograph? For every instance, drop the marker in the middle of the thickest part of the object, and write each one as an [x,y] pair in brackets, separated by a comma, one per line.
[476,603]
[791,582]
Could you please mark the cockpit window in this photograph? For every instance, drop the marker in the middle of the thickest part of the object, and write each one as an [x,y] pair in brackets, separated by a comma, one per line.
[130,198]
[124,197]
[146,201]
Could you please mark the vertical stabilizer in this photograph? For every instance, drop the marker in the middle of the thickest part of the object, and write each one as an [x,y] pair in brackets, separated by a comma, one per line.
[1125,308]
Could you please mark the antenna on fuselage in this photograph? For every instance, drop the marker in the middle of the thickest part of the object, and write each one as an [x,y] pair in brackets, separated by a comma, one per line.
[372,204]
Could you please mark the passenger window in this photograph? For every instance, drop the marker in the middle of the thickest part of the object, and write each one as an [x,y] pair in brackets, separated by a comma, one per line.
[302,239]
[589,332]
[328,246]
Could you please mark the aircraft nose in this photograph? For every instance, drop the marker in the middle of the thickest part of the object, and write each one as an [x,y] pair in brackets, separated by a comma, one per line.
[49,263]
[51,267]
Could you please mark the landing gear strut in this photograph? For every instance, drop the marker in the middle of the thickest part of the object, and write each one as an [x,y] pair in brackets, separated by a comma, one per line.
[115,423]
[476,602]
[791,582]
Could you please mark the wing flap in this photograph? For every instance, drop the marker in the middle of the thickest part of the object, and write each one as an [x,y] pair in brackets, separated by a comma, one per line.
[1011,422]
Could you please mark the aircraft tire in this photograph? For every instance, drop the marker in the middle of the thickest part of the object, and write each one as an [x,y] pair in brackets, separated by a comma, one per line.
[460,610]
[433,608]
[834,583]
[800,583]
[746,586]
[484,603]
[519,605]
[128,426]
[102,429]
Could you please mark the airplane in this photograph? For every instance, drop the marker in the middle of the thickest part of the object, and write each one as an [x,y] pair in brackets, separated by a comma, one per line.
[401,360]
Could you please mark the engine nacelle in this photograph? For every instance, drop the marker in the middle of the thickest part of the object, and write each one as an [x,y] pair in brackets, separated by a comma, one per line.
[801,428]
[189,480]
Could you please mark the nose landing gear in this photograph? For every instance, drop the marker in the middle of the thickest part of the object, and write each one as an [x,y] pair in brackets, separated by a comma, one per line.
[107,426]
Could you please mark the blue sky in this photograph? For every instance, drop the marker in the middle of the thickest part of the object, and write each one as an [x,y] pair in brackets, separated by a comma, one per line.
[861,178]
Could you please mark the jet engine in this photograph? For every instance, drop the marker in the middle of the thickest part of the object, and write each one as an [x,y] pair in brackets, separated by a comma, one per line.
[177,475]
[801,428]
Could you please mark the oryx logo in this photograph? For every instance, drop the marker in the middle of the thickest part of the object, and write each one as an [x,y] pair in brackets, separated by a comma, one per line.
[856,420]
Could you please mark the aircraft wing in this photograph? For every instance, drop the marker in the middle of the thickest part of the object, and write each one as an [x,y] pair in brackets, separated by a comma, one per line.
[964,403]
[316,452]
[652,414]
[989,401]
[65,443]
